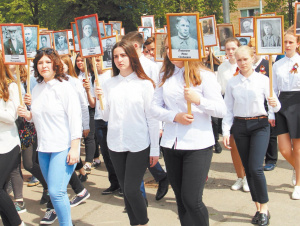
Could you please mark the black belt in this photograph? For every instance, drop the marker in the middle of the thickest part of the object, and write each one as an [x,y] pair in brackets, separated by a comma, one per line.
[250,118]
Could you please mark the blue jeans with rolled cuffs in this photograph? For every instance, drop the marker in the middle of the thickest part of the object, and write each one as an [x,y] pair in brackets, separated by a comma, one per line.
[57,174]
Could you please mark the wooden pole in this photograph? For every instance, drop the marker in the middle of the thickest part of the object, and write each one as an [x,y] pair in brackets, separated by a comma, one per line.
[187,84]
[19,84]
[271,75]
[211,59]
[97,82]
[28,77]
[74,58]
[85,69]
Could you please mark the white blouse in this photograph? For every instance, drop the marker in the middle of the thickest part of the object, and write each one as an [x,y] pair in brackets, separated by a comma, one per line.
[9,136]
[283,79]
[225,72]
[56,114]
[81,76]
[169,100]
[127,103]
[245,97]
[151,69]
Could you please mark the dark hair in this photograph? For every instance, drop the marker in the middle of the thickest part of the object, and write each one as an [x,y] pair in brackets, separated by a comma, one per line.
[43,37]
[149,41]
[134,61]
[89,65]
[243,40]
[232,39]
[5,79]
[134,36]
[57,65]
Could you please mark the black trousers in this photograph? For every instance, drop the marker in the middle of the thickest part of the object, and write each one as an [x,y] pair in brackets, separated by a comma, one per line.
[130,168]
[8,212]
[215,127]
[272,151]
[187,171]
[252,138]
[89,141]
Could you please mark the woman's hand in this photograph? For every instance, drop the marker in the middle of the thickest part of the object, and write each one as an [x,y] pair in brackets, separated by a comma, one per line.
[86,84]
[272,122]
[73,157]
[153,160]
[191,96]
[98,91]
[272,101]
[23,112]
[27,99]
[85,133]
[226,142]
[184,118]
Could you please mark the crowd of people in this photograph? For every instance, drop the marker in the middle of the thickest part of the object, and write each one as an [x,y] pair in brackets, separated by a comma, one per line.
[143,113]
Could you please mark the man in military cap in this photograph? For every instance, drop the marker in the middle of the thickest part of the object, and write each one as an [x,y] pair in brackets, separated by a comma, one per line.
[88,41]
[270,40]
[31,45]
[13,46]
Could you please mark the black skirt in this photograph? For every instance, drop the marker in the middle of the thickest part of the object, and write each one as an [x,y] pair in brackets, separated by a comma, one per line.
[288,118]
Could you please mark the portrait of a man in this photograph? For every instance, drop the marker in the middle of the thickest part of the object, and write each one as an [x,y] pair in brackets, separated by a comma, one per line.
[30,39]
[224,32]
[246,25]
[147,33]
[13,45]
[102,32]
[61,44]
[269,39]
[88,41]
[44,43]
[207,27]
[70,37]
[108,30]
[147,22]
[243,41]
[107,52]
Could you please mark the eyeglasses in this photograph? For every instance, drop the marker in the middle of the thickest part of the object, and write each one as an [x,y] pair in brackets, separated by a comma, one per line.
[46,50]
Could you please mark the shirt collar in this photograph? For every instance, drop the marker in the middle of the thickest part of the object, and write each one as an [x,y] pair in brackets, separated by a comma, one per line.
[295,58]
[243,78]
[52,82]
[178,70]
[128,77]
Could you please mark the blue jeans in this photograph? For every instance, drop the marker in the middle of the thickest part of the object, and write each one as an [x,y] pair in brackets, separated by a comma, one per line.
[57,174]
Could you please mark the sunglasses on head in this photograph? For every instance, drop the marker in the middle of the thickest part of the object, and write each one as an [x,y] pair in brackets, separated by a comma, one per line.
[46,50]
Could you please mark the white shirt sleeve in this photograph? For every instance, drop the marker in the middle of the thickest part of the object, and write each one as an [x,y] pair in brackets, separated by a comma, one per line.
[9,113]
[228,118]
[84,107]
[275,85]
[271,109]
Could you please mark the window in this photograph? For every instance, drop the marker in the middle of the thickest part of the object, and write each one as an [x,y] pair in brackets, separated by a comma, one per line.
[249,12]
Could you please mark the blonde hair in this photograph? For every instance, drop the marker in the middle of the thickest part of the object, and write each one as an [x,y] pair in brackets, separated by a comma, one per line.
[291,31]
[244,49]
[5,79]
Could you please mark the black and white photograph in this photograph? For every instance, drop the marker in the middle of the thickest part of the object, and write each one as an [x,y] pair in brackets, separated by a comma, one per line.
[108,30]
[146,30]
[269,36]
[244,40]
[13,44]
[61,42]
[224,31]
[246,26]
[31,40]
[117,25]
[148,21]
[102,28]
[159,46]
[184,33]
[297,19]
[209,30]
[44,40]
[108,43]
[89,35]
[70,41]
[75,37]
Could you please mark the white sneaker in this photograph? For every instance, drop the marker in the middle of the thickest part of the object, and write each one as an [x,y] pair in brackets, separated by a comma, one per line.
[237,185]
[294,177]
[245,185]
[296,193]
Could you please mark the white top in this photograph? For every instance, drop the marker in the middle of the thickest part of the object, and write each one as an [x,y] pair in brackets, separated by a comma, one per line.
[81,76]
[151,69]
[56,115]
[9,136]
[77,85]
[283,79]
[225,72]
[127,103]
[169,100]
[245,97]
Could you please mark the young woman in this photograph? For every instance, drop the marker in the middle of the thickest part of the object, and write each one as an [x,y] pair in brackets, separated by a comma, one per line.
[131,128]
[58,124]
[247,118]
[187,158]
[286,81]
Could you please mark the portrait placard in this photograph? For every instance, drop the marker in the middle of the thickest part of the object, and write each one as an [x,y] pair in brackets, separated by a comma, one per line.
[13,44]
[244,40]
[31,40]
[89,37]
[108,30]
[108,43]
[45,40]
[269,35]
[160,30]
[75,37]
[146,30]
[70,41]
[268,14]
[148,21]
[297,19]
[159,46]
[246,26]
[184,36]
[209,30]
[117,25]
[102,28]
[224,31]
[61,42]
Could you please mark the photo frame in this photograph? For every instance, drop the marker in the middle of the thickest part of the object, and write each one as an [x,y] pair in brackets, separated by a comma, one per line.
[108,30]
[13,54]
[102,28]
[224,31]
[246,26]
[45,40]
[159,51]
[61,42]
[268,14]
[201,38]
[244,40]
[208,24]
[31,40]
[89,37]
[184,25]
[117,25]
[108,43]
[148,21]
[146,30]
[75,37]
[297,19]
[70,41]
[269,35]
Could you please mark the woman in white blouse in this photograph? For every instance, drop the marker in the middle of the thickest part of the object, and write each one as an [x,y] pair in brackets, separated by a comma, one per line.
[244,97]
[56,113]
[188,140]
[286,81]
[133,134]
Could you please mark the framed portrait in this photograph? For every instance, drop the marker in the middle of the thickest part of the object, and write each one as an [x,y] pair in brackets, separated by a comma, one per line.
[247,26]
[45,40]
[159,46]
[209,30]
[70,41]
[184,36]
[165,28]
[224,31]
[89,35]
[75,37]
[269,35]
[146,30]
[244,40]
[160,30]
[108,43]
[13,44]
[202,41]
[117,25]
[148,21]
[31,40]
[108,30]
[122,31]
[61,42]
[297,19]
[102,28]
[268,14]
[43,29]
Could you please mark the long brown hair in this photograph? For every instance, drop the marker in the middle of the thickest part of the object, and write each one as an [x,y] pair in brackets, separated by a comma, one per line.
[71,71]
[134,61]
[89,65]
[23,73]
[5,76]
[291,31]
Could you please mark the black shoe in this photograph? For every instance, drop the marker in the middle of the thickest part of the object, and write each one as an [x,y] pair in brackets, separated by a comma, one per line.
[264,219]
[163,188]
[218,148]
[83,178]
[110,190]
[255,218]
[45,198]
[269,167]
